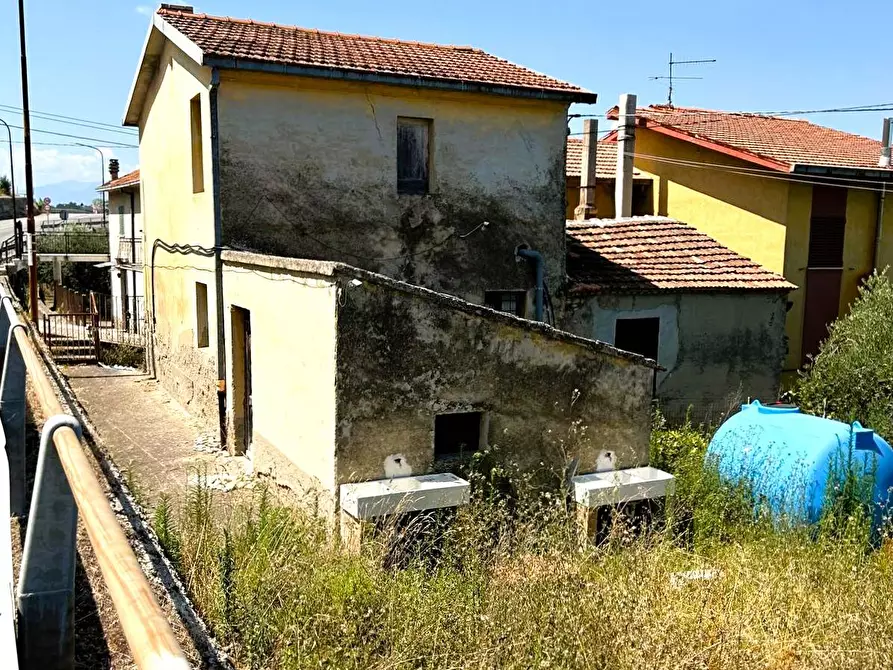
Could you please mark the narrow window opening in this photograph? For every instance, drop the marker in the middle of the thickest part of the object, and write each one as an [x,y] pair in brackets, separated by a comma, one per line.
[638,335]
[120,219]
[413,155]
[458,434]
[201,315]
[195,122]
[512,302]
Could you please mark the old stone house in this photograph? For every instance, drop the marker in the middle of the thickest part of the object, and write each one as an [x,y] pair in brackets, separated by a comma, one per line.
[335,227]
[711,318]
[802,200]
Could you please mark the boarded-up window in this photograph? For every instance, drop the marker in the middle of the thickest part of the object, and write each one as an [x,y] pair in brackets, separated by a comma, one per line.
[201,315]
[413,155]
[195,123]
[638,335]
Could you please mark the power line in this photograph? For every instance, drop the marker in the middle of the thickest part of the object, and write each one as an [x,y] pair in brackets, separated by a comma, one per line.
[103,142]
[117,128]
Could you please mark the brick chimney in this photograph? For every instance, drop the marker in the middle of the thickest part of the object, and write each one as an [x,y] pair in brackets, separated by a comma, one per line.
[587,207]
[113,168]
[626,149]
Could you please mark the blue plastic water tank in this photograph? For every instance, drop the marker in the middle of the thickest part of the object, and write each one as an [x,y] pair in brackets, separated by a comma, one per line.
[788,456]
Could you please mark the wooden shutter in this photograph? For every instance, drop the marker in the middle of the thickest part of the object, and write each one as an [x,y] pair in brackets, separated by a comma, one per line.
[412,156]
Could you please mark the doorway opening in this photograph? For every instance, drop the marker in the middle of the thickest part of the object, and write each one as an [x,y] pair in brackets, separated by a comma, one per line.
[243,430]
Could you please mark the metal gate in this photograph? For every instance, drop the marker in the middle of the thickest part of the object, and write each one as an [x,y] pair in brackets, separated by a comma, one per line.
[72,338]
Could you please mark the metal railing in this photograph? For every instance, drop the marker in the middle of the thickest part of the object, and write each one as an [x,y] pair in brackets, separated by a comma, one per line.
[72,242]
[130,251]
[72,337]
[65,486]
[119,319]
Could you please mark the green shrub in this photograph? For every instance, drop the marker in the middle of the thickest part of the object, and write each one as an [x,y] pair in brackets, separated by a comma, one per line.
[852,375]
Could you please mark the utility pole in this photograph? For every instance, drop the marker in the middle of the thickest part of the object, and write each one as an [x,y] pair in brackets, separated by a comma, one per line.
[29,181]
[672,77]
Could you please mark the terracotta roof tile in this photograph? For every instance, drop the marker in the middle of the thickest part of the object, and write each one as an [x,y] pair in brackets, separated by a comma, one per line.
[605,159]
[653,254]
[130,179]
[223,37]
[785,140]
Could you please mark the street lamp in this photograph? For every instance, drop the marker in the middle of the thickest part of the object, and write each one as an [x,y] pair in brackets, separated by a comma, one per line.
[12,179]
[101,175]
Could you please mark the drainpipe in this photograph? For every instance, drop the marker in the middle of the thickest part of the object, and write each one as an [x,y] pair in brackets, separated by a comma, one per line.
[218,262]
[540,265]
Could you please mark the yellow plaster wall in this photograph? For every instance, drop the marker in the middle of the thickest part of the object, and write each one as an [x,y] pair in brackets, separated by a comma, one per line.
[858,246]
[796,253]
[293,369]
[746,213]
[174,214]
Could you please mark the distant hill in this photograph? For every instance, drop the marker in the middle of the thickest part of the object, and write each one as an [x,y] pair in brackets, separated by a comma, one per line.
[67,191]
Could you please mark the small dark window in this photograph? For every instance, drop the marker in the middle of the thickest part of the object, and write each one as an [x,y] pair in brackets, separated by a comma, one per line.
[413,155]
[640,336]
[513,302]
[457,434]
[826,235]
[195,128]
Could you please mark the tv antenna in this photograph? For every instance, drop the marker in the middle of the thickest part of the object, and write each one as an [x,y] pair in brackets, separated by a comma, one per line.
[673,77]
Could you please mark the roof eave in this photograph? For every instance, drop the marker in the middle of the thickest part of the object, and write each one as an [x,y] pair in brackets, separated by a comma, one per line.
[869,174]
[106,188]
[159,30]
[719,147]
[346,74]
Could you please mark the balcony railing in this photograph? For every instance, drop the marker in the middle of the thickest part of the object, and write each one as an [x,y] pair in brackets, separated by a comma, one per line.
[130,251]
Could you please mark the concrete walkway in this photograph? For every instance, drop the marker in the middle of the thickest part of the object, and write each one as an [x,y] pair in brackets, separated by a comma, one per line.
[150,437]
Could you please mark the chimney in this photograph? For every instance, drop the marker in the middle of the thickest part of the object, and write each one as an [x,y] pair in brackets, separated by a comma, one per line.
[185,9]
[587,207]
[626,149]
[884,160]
[113,168]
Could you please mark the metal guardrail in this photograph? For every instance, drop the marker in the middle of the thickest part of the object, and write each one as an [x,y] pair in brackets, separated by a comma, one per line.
[65,485]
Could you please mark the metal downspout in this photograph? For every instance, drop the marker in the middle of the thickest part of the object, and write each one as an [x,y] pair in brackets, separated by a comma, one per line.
[218,262]
[540,265]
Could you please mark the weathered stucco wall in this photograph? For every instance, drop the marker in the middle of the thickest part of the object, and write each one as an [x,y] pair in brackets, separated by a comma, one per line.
[405,356]
[174,214]
[292,318]
[308,169]
[716,348]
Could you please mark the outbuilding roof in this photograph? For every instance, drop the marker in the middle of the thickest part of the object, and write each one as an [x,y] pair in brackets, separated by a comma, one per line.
[130,179]
[775,142]
[654,254]
[605,159]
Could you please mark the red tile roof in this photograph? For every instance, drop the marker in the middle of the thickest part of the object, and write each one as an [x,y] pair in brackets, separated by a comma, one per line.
[780,142]
[130,179]
[222,37]
[605,159]
[653,254]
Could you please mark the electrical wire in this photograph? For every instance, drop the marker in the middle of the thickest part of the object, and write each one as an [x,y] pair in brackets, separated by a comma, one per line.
[114,144]
[62,119]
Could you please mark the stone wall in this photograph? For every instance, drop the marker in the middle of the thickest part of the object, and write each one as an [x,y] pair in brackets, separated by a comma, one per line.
[6,207]
[549,398]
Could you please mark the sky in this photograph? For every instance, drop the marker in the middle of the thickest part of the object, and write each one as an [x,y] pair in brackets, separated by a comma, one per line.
[771,56]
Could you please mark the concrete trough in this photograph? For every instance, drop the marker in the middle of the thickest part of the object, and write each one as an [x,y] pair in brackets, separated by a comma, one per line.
[368,500]
[616,487]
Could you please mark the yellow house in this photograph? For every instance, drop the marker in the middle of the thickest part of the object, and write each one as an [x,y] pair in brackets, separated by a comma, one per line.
[335,227]
[802,200]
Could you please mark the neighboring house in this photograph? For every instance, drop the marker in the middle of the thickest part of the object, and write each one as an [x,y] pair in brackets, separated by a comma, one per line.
[125,246]
[330,214]
[606,172]
[711,318]
[802,200]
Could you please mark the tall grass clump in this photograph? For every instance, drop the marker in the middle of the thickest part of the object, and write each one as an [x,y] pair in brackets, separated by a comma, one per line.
[852,375]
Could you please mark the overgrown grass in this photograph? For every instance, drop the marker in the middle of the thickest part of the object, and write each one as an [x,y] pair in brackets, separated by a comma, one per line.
[507,584]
